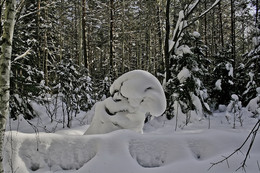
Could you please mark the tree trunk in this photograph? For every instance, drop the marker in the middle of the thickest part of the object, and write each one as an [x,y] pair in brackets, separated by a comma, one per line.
[167,35]
[123,39]
[256,14]
[205,28]
[159,32]
[111,54]
[221,26]
[84,41]
[1,9]
[233,36]
[5,67]
[38,49]
[166,50]
[80,35]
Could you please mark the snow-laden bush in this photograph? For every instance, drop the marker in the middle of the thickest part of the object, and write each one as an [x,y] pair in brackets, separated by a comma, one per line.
[234,109]
[133,96]
[26,86]
[73,86]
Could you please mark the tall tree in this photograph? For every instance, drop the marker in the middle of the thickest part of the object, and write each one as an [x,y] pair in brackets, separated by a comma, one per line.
[84,41]
[166,46]
[233,34]
[111,33]
[5,68]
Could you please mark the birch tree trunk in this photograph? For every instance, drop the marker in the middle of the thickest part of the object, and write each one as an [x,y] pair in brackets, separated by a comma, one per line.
[5,66]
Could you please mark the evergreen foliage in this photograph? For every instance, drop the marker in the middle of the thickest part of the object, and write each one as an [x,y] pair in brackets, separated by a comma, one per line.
[252,67]
[222,83]
[48,47]
[189,67]
[74,87]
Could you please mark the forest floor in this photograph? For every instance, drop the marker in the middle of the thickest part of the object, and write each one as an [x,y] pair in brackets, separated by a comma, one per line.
[162,148]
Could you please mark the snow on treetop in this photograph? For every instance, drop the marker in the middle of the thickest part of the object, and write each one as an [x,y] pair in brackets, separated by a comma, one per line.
[230,69]
[234,97]
[218,84]
[196,34]
[183,49]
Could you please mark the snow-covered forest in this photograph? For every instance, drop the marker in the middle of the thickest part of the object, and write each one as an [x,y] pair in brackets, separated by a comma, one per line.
[130,86]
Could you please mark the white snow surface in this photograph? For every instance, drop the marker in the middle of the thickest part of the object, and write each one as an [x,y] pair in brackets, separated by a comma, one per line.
[183,49]
[230,69]
[133,95]
[218,84]
[183,75]
[161,149]
[196,34]
[234,97]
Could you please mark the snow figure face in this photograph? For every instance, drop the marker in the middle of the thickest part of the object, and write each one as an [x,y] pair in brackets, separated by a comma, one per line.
[133,95]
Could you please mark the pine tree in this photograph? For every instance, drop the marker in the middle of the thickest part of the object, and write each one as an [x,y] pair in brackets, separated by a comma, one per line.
[189,67]
[223,85]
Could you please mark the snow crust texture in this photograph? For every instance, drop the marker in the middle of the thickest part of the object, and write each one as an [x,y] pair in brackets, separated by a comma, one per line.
[134,95]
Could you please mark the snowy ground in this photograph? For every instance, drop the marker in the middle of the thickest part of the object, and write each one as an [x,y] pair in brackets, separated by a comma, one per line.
[161,149]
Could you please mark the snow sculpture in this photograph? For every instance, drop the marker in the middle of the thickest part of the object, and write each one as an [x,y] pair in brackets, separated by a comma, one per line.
[133,96]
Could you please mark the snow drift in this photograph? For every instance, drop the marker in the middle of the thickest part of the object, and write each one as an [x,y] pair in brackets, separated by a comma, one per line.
[125,151]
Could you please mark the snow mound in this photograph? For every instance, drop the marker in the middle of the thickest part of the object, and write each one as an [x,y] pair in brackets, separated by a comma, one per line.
[126,151]
[133,96]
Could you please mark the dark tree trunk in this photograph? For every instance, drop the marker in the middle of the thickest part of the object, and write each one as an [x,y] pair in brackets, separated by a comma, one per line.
[111,54]
[233,36]
[166,48]
[84,41]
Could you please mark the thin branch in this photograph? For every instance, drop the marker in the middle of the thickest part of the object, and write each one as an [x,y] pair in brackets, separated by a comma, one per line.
[33,12]
[243,165]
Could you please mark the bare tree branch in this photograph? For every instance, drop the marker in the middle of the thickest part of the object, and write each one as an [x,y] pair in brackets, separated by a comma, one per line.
[243,164]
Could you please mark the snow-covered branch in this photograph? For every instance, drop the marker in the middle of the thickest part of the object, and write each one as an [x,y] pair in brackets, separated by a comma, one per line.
[22,56]
[41,8]
[204,13]
[182,22]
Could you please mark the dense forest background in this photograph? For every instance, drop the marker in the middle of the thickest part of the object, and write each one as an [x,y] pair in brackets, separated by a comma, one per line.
[73,50]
